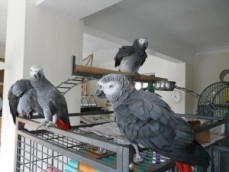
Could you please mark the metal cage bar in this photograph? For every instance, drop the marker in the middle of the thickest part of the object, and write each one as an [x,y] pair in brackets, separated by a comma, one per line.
[38,150]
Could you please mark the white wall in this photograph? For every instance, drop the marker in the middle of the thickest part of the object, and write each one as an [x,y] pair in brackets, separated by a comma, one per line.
[2,52]
[208,67]
[189,80]
[37,36]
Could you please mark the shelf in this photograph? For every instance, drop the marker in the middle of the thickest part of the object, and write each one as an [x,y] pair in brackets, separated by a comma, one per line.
[96,73]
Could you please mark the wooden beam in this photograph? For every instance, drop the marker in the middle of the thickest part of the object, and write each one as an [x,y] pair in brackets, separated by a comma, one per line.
[95,72]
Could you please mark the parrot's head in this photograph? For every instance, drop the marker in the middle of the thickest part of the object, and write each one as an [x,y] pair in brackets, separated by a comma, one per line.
[19,88]
[17,91]
[36,72]
[141,43]
[113,87]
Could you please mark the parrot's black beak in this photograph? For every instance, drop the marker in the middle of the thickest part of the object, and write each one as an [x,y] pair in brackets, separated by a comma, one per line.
[145,45]
[38,76]
[19,93]
[100,93]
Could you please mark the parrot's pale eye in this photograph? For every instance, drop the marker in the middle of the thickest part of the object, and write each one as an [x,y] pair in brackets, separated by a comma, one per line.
[141,41]
[111,86]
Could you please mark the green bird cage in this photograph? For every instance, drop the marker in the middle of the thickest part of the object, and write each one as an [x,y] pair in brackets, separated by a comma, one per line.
[214,100]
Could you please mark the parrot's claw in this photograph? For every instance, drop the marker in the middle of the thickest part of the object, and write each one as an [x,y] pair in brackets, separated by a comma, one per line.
[43,124]
[49,124]
[101,151]
[138,159]
[28,116]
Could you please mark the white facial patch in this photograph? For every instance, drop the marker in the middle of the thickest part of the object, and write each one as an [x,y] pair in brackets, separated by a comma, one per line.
[142,41]
[35,69]
[111,88]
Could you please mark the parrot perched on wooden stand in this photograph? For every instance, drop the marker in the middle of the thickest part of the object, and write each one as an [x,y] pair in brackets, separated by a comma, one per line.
[23,100]
[52,102]
[131,58]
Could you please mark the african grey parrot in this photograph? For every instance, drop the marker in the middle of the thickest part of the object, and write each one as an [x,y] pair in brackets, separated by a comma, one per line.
[147,120]
[52,102]
[130,58]
[22,100]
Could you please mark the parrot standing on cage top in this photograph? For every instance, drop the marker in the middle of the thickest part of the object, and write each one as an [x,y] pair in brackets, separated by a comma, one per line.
[130,58]
[147,120]
[52,102]
[23,100]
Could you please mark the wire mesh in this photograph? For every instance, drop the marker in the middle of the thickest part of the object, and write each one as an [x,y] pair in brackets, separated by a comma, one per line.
[33,156]
[214,100]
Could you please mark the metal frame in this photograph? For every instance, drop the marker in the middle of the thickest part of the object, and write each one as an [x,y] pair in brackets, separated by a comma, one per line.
[124,153]
[66,150]
[121,151]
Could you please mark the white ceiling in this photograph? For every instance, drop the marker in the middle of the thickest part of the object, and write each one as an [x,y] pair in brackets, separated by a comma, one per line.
[77,8]
[195,25]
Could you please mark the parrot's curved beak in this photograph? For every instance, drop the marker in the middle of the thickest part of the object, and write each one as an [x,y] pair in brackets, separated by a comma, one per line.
[37,76]
[19,93]
[100,93]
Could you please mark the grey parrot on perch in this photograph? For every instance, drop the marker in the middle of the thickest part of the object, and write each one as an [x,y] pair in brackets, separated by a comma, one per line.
[131,58]
[23,100]
[147,120]
[52,102]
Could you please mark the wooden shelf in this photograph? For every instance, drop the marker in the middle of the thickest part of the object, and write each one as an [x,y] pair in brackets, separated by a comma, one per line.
[94,72]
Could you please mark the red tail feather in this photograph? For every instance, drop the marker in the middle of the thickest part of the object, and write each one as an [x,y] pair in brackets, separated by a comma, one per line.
[62,125]
[182,167]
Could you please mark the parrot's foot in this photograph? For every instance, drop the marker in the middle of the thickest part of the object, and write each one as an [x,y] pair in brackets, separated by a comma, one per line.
[42,125]
[25,115]
[135,73]
[45,125]
[50,124]
[138,159]
[101,151]
[28,115]
[141,146]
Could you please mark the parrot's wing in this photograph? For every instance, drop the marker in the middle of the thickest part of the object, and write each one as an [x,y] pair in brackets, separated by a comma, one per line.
[147,127]
[144,56]
[52,106]
[154,98]
[123,52]
[155,127]
[33,102]
[13,103]
[58,106]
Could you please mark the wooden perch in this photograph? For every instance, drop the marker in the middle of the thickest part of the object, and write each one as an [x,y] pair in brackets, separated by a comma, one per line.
[95,72]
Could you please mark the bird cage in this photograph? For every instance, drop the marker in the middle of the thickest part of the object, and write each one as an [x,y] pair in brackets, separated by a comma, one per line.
[214,100]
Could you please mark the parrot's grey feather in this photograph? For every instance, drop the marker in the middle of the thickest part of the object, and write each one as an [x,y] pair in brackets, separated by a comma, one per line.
[58,105]
[50,99]
[34,102]
[123,52]
[146,119]
[20,101]
[130,58]
[13,102]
